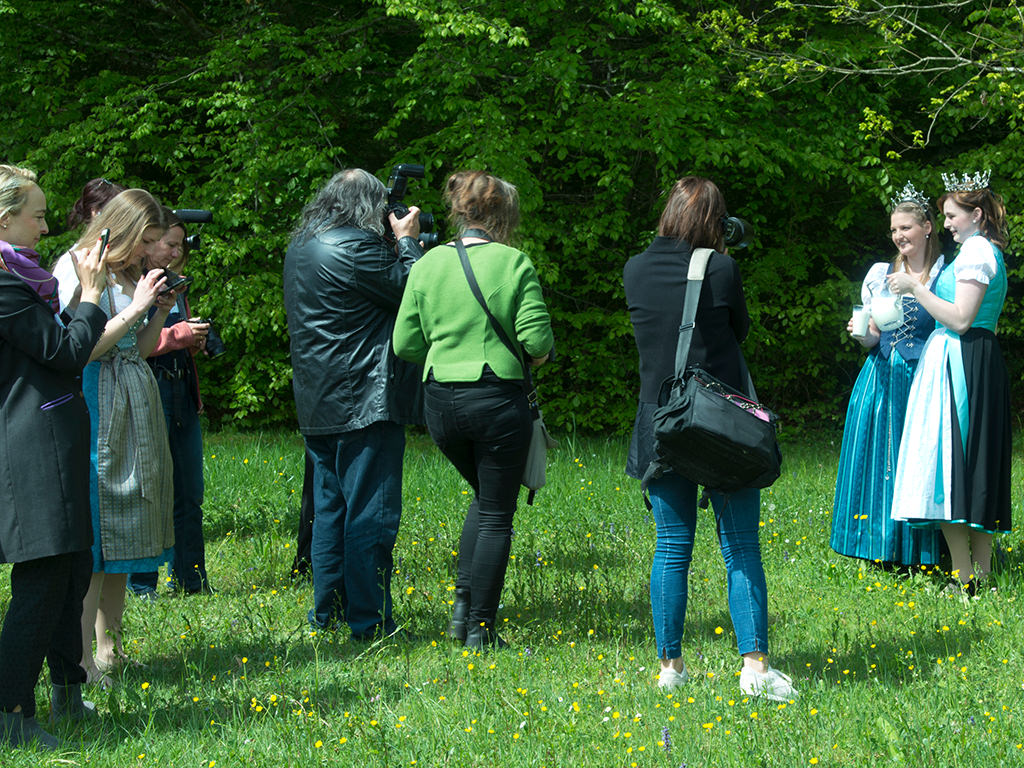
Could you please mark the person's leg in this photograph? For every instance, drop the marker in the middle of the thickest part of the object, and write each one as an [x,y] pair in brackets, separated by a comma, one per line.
[38,588]
[64,655]
[90,606]
[143,584]
[738,516]
[370,476]
[498,421]
[186,441]
[109,615]
[981,552]
[327,549]
[302,563]
[674,507]
[959,544]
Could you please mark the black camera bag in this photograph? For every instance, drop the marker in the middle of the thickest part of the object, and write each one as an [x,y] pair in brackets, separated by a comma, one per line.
[705,430]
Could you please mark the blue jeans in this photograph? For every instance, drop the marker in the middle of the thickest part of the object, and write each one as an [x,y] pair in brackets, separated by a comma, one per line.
[674,502]
[186,440]
[483,428]
[357,494]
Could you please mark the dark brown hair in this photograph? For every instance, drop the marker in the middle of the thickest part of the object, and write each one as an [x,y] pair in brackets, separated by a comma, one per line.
[694,213]
[95,194]
[993,212]
[478,200]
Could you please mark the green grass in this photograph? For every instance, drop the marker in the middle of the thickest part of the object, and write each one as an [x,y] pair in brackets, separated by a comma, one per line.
[890,672]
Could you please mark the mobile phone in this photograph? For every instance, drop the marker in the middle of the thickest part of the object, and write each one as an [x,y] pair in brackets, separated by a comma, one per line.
[104,237]
[174,281]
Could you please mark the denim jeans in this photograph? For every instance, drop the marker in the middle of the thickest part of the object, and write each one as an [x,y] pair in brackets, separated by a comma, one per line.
[483,428]
[674,502]
[186,440]
[357,494]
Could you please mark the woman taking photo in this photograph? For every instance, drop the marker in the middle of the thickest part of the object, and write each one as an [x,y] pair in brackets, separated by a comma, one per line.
[954,463]
[655,283]
[44,476]
[475,396]
[862,525]
[173,364]
[132,489]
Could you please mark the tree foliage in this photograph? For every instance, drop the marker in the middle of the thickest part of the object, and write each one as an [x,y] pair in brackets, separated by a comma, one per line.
[807,115]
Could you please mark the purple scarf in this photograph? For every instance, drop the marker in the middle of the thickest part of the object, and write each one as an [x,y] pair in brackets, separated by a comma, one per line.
[24,263]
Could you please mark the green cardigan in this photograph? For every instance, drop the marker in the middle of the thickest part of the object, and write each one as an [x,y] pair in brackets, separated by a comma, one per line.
[442,327]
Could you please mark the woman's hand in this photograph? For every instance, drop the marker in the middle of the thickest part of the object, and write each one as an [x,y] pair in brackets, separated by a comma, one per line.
[200,330]
[147,290]
[901,283]
[91,269]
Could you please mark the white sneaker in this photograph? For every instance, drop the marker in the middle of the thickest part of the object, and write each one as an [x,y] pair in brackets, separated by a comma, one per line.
[668,678]
[771,684]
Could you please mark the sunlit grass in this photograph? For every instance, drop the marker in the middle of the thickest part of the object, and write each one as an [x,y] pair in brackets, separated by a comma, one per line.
[890,671]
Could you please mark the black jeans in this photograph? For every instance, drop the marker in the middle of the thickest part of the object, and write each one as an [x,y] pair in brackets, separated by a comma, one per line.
[483,428]
[44,618]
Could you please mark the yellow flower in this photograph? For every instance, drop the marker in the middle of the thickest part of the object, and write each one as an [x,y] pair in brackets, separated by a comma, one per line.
[145,686]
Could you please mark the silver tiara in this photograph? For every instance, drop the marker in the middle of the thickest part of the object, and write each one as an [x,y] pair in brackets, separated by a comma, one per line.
[967,183]
[909,194]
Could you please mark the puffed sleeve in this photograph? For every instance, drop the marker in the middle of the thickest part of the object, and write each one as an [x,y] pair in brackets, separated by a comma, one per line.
[874,281]
[976,261]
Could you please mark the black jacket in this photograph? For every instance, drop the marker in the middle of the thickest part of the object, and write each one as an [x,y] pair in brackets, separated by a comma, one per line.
[342,289]
[44,425]
[655,283]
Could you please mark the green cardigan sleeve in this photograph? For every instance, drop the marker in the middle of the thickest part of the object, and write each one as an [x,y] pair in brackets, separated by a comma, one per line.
[408,338]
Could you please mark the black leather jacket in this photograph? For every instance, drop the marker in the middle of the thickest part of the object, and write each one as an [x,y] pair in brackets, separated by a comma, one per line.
[342,289]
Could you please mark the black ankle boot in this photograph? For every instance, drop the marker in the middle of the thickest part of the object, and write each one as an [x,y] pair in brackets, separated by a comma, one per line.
[460,612]
[481,638]
[66,703]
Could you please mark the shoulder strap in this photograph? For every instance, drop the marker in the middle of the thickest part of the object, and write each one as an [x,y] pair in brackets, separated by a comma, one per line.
[498,329]
[694,279]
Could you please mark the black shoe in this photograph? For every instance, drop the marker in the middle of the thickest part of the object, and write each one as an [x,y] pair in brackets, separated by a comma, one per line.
[66,703]
[484,638]
[460,612]
[17,730]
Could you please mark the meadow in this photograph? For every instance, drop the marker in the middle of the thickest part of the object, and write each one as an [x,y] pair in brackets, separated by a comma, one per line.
[890,671]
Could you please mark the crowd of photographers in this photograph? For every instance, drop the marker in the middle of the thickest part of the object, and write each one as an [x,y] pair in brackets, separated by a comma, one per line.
[100,394]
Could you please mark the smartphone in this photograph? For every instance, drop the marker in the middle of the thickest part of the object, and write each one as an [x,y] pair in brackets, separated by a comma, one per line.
[104,237]
[174,281]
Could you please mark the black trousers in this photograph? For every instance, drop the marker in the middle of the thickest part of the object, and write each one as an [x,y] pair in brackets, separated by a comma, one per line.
[44,620]
[483,428]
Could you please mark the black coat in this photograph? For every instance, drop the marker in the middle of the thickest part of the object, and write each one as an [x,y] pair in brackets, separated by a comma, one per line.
[342,289]
[655,283]
[44,425]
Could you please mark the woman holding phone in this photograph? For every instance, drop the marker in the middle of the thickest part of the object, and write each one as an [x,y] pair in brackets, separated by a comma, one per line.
[173,364]
[44,476]
[132,490]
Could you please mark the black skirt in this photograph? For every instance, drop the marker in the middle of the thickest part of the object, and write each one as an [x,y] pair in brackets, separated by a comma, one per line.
[981,473]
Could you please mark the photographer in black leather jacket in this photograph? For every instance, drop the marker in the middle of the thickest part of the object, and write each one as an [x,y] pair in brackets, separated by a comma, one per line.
[343,283]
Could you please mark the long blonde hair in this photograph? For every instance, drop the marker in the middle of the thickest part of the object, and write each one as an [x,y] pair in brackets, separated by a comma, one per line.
[127,216]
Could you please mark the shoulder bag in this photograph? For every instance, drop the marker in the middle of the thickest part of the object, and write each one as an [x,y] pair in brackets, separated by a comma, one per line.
[705,430]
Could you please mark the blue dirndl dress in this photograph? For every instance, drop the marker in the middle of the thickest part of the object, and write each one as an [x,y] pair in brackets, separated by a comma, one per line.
[862,525]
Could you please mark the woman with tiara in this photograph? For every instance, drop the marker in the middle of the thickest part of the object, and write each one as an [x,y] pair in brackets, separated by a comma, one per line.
[953,469]
[861,522]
